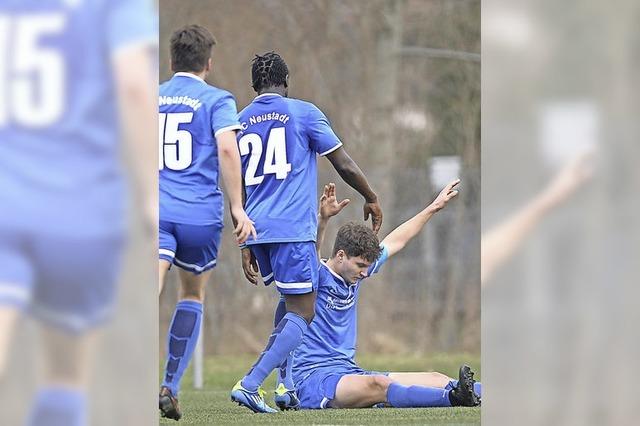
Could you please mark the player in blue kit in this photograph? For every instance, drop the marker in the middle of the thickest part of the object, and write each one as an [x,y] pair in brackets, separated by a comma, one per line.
[198,125]
[324,368]
[279,144]
[68,70]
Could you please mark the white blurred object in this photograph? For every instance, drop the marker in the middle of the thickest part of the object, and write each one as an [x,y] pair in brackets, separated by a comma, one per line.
[507,27]
[411,118]
[444,169]
[568,128]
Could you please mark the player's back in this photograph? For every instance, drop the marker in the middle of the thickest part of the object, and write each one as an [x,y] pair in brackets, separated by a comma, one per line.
[279,145]
[58,112]
[192,113]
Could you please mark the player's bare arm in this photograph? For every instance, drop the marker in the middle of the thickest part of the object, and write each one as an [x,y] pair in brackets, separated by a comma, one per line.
[399,237]
[137,103]
[230,166]
[329,206]
[353,176]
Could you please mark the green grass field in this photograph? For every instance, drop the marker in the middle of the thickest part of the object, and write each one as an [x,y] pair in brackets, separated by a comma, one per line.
[212,405]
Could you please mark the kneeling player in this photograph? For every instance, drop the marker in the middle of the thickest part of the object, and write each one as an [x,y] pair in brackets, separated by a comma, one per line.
[324,368]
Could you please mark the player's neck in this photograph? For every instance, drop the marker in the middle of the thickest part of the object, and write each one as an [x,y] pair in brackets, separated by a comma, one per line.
[279,90]
[332,264]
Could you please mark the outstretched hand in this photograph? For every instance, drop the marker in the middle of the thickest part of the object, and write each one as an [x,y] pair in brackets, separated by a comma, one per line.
[445,196]
[329,205]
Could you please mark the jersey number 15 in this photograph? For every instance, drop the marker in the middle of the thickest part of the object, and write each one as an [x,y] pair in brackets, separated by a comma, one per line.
[275,160]
[176,145]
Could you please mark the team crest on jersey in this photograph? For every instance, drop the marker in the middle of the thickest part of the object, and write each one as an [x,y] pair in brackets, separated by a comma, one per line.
[338,302]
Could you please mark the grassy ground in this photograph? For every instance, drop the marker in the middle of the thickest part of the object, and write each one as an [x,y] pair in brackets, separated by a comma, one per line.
[212,405]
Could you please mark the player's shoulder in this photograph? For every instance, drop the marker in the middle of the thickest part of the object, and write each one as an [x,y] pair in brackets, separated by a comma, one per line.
[303,105]
[217,94]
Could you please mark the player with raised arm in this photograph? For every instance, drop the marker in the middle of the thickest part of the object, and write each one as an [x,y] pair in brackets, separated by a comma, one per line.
[198,125]
[279,145]
[324,368]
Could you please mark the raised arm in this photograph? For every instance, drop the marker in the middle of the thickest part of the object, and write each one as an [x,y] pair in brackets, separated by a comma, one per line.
[500,242]
[229,159]
[353,176]
[329,206]
[399,237]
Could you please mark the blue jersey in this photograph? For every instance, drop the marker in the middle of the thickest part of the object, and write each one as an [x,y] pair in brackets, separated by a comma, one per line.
[192,114]
[279,144]
[60,167]
[330,340]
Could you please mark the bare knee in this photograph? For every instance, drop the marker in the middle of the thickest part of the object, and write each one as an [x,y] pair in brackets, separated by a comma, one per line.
[378,386]
[439,379]
[192,292]
[192,285]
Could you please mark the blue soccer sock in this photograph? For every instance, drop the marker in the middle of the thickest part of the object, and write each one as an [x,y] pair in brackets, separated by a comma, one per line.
[284,339]
[58,406]
[181,341]
[477,387]
[284,375]
[401,396]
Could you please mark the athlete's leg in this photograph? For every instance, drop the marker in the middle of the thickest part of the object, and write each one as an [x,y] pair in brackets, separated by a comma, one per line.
[361,391]
[284,339]
[62,397]
[295,273]
[167,245]
[284,371]
[8,317]
[163,268]
[302,305]
[76,293]
[294,269]
[431,379]
[184,329]
[192,286]
[16,286]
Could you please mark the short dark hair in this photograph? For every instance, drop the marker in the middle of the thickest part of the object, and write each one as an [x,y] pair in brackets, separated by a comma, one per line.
[191,48]
[268,70]
[357,239]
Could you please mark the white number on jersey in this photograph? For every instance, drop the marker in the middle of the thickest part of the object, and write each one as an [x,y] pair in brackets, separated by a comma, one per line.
[32,77]
[275,161]
[175,144]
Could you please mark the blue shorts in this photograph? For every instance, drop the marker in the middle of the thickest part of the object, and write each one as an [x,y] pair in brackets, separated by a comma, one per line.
[292,266]
[68,282]
[318,389]
[191,247]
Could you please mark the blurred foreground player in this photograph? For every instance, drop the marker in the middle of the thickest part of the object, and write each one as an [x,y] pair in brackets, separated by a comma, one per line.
[324,368]
[198,125]
[69,69]
[279,145]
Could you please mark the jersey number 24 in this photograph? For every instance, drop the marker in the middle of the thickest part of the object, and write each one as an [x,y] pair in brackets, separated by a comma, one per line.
[275,159]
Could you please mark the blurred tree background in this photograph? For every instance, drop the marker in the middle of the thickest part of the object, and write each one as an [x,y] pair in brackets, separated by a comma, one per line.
[400,82]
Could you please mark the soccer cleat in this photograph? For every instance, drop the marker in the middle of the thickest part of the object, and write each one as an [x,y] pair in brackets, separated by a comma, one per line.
[286,399]
[252,400]
[463,394]
[169,404]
